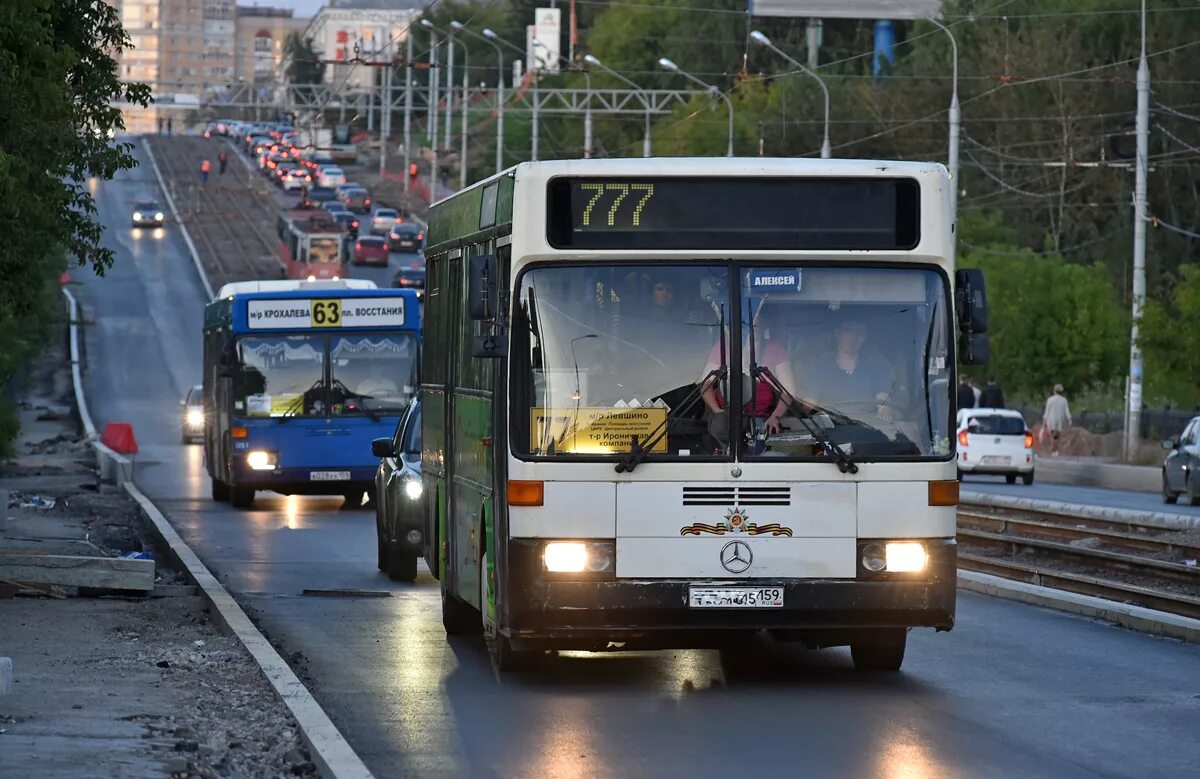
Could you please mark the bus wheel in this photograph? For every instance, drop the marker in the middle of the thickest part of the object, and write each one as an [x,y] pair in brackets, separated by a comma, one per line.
[241,497]
[401,564]
[354,499]
[459,618]
[882,652]
[220,490]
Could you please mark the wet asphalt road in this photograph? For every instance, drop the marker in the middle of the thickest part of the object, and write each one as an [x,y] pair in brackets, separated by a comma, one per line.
[1012,691]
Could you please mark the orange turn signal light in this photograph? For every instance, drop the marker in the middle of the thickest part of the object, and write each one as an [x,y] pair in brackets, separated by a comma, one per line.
[238,432]
[526,493]
[943,493]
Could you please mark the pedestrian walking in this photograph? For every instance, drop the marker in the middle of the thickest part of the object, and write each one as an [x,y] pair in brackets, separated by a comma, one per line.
[965,397]
[168,125]
[992,396]
[1057,417]
[160,125]
[978,393]
[222,161]
[205,168]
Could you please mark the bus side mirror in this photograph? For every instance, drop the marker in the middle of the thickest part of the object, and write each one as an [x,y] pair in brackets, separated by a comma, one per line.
[481,296]
[971,308]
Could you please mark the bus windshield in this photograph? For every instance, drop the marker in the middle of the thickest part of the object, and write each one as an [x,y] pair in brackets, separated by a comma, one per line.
[324,249]
[849,356]
[286,376]
[605,353]
[373,372]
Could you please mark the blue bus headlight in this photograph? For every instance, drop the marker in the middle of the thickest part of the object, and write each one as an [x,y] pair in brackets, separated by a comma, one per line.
[413,489]
[259,460]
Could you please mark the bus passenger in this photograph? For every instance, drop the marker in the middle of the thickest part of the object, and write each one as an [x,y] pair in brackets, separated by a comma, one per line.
[767,404]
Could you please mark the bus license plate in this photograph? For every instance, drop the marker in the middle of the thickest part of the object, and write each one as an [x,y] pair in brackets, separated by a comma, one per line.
[735,597]
[329,476]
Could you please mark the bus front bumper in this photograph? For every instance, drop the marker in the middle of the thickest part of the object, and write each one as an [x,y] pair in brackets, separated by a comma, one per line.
[655,612]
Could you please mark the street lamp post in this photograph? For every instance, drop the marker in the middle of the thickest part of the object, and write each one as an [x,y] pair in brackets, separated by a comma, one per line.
[460,27]
[587,106]
[408,90]
[431,128]
[667,64]
[589,59]
[955,125]
[763,40]
[492,36]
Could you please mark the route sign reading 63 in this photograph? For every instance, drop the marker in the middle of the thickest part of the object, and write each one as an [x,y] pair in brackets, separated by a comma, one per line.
[326,313]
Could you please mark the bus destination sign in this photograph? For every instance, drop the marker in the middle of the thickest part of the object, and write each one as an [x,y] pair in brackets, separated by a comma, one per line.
[733,213]
[316,313]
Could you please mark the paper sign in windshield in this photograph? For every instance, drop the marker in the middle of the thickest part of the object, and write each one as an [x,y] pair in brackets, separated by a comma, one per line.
[594,430]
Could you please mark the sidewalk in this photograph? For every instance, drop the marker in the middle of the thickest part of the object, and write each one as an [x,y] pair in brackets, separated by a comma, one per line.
[125,685]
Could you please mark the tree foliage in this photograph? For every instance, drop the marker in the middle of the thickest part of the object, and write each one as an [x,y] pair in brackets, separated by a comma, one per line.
[55,133]
[1170,340]
[304,62]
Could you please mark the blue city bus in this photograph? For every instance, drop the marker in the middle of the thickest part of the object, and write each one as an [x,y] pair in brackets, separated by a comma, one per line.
[299,377]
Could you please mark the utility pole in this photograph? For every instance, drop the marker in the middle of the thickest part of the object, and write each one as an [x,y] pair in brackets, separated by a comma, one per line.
[955,126]
[449,92]
[408,93]
[462,154]
[434,76]
[1133,402]
[385,119]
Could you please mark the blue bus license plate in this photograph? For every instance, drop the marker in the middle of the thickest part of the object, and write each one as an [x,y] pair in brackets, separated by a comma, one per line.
[329,476]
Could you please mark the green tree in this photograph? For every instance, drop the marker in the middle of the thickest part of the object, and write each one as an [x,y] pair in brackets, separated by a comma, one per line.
[1170,340]
[59,82]
[304,63]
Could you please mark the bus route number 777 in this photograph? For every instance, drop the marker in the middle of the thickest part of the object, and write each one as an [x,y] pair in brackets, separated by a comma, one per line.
[633,211]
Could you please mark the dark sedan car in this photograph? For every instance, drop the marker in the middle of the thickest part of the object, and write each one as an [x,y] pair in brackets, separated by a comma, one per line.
[347,221]
[147,214]
[1181,469]
[411,276]
[399,508]
[406,237]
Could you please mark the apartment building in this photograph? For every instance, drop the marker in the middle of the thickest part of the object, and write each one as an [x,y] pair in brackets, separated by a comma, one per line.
[261,34]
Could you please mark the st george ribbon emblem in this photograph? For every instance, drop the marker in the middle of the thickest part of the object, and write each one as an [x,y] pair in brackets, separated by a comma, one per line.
[736,522]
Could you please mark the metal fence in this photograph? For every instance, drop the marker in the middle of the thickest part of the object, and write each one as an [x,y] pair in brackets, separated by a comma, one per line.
[1157,424]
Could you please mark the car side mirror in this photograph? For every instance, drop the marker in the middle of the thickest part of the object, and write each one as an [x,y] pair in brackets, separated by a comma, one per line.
[382,447]
[1169,444]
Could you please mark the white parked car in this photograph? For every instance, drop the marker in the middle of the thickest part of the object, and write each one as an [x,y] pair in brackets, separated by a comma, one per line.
[295,178]
[995,441]
[331,176]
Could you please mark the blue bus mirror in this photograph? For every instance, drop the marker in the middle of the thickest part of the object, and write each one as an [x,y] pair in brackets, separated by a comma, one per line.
[481,297]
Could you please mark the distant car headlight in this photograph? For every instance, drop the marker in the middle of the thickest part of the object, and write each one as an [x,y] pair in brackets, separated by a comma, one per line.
[413,489]
[137,216]
[158,217]
[259,460]
[195,418]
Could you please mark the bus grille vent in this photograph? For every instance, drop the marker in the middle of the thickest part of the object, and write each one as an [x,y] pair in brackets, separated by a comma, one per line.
[737,496]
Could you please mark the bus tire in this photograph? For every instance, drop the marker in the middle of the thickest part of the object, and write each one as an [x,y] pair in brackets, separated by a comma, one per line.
[459,618]
[241,497]
[354,499]
[882,652]
[401,565]
[220,491]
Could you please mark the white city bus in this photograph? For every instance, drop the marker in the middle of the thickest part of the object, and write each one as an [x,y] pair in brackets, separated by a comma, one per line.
[671,402]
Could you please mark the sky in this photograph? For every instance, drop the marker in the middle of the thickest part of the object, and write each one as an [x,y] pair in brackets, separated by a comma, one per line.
[301,7]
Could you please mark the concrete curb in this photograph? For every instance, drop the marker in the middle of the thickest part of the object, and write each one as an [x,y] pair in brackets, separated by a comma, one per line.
[1133,617]
[113,467]
[332,754]
[187,237]
[1164,519]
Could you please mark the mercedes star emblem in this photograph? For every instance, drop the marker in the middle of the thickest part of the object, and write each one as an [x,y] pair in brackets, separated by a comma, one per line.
[736,557]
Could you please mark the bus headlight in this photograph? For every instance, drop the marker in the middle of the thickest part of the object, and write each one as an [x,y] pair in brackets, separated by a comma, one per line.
[578,557]
[413,489]
[194,418]
[906,557]
[874,558]
[259,460]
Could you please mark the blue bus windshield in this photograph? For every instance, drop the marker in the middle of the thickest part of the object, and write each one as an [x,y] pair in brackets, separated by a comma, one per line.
[319,376]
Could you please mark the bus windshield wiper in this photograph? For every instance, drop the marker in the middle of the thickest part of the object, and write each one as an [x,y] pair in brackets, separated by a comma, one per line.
[370,414]
[802,411]
[297,405]
[637,449]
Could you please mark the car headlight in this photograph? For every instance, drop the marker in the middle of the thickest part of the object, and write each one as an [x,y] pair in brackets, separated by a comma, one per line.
[579,557]
[259,460]
[413,489]
[137,216]
[195,417]
[158,216]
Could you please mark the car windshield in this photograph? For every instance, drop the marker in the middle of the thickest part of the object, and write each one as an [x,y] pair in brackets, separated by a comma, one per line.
[852,356]
[146,207]
[280,376]
[995,424]
[384,214]
[374,372]
[602,354]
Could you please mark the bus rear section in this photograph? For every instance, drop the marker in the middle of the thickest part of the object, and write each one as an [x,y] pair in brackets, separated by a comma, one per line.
[312,246]
[300,377]
[669,428]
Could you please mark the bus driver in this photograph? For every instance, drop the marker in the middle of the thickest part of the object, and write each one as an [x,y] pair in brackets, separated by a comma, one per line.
[851,380]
